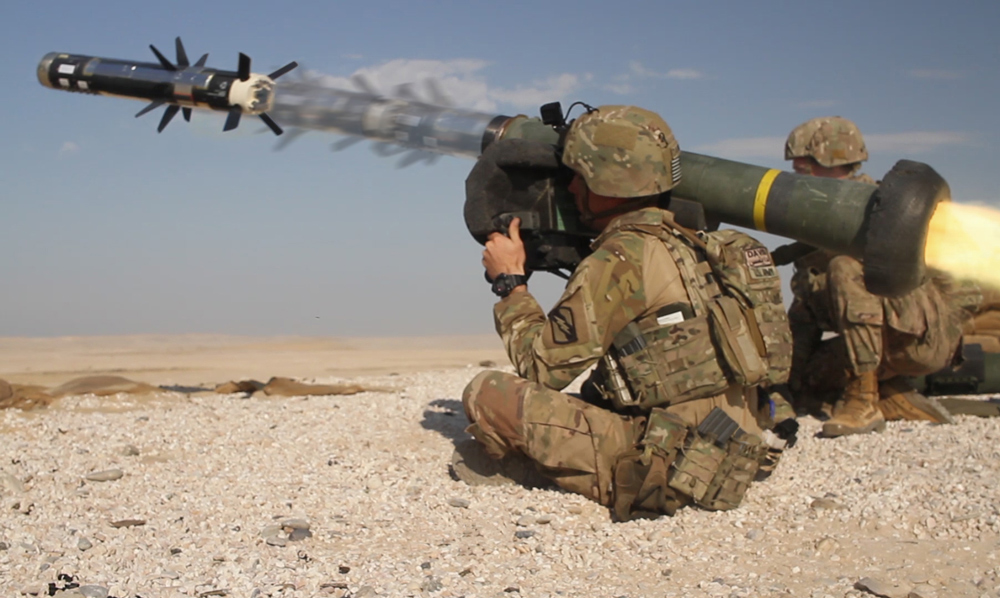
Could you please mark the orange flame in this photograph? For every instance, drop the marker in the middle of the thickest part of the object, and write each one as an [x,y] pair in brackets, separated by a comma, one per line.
[964,240]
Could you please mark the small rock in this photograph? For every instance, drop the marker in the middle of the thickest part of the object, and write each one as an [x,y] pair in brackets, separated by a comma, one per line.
[276,541]
[460,503]
[34,590]
[876,587]
[130,450]
[524,534]
[84,544]
[922,591]
[94,591]
[425,565]
[488,363]
[525,521]
[175,551]
[344,569]
[753,534]
[374,483]
[365,592]
[826,545]
[544,519]
[295,524]
[512,590]
[128,523]
[298,535]
[4,546]
[825,503]
[431,584]
[108,475]
[575,509]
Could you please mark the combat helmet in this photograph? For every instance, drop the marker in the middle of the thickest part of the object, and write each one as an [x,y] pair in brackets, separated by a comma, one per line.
[623,151]
[830,140]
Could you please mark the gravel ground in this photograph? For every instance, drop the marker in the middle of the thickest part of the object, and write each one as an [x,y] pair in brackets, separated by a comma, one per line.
[213,495]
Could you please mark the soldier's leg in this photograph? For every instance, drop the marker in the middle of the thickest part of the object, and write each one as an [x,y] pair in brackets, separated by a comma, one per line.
[860,320]
[575,444]
[922,334]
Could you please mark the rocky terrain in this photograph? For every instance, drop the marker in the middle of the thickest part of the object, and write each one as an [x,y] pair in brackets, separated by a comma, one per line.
[221,495]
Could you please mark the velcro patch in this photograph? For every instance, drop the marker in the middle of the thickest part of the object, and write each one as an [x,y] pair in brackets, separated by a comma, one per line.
[758,257]
[618,136]
[563,326]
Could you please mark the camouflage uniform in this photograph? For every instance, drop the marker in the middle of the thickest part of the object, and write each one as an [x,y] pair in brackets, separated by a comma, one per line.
[984,327]
[630,274]
[912,335]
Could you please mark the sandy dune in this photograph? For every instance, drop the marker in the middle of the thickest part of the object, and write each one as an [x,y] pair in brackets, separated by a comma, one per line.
[203,360]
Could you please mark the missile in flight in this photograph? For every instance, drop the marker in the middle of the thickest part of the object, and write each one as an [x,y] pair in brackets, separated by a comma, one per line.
[180,87]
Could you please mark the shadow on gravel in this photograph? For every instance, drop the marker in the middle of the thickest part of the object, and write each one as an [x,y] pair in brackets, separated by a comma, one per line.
[446,417]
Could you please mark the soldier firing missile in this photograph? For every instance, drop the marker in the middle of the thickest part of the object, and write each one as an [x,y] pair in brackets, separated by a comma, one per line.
[180,86]
[885,226]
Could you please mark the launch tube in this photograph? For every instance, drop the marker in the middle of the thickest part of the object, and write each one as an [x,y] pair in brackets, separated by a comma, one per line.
[885,226]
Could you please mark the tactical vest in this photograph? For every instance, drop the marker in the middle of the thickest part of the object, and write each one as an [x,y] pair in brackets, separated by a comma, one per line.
[732,330]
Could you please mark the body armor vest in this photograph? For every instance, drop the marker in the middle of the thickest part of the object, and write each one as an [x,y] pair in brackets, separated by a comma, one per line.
[732,330]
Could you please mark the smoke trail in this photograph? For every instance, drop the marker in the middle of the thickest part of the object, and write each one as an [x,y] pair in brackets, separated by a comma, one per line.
[964,240]
[401,123]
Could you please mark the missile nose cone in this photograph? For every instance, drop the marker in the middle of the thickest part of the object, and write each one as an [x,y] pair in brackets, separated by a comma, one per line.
[45,67]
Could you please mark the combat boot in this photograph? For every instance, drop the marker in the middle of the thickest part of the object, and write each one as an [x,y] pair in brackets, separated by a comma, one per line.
[899,400]
[472,464]
[857,412]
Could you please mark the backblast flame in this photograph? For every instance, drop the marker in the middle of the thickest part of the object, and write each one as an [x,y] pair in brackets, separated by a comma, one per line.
[964,240]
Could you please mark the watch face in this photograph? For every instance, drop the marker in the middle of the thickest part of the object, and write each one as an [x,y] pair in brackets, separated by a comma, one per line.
[503,284]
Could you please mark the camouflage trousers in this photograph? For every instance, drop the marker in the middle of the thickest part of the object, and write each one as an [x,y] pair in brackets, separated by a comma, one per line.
[912,335]
[984,329]
[574,443]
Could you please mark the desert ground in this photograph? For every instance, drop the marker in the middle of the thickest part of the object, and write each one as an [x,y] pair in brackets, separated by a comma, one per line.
[186,492]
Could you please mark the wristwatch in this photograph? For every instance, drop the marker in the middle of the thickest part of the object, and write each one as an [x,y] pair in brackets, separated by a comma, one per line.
[504,284]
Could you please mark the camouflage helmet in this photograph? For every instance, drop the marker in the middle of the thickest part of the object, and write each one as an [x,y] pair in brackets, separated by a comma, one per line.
[830,140]
[623,151]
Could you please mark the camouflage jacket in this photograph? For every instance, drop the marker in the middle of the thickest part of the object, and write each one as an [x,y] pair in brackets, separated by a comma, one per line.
[629,275]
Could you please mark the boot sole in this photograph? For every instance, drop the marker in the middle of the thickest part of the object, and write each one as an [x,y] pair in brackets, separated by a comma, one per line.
[835,430]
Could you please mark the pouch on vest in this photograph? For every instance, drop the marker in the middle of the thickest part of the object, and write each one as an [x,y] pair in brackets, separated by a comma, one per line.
[640,475]
[666,358]
[745,271]
[743,351]
[718,463]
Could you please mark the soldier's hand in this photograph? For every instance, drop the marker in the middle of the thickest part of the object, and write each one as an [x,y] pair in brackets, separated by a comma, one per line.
[505,254]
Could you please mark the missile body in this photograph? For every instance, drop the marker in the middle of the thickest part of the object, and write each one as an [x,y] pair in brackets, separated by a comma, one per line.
[179,86]
[196,86]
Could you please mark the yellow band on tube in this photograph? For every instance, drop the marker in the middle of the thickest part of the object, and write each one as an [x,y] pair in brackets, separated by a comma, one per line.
[760,200]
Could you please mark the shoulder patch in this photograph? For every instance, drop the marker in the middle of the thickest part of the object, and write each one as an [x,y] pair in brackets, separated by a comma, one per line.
[563,326]
[758,257]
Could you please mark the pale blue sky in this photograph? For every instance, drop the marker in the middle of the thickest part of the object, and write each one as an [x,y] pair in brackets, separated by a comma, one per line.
[108,228]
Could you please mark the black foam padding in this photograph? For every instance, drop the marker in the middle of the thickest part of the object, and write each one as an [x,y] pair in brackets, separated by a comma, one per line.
[512,175]
[896,230]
